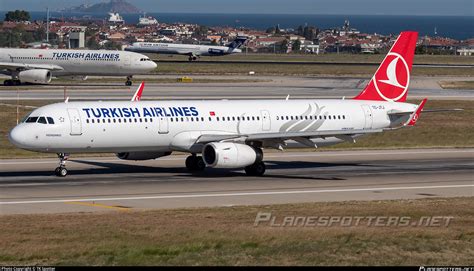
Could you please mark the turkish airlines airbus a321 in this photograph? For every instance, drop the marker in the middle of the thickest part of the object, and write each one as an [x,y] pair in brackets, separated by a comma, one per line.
[227,133]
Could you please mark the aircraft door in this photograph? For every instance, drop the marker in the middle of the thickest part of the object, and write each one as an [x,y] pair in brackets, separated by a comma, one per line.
[127,60]
[266,123]
[368,116]
[75,121]
[163,126]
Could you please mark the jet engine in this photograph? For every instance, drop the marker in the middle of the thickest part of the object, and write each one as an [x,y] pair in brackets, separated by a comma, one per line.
[141,155]
[38,76]
[230,155]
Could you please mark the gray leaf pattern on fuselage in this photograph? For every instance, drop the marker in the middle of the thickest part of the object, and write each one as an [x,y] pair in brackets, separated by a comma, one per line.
[310,125]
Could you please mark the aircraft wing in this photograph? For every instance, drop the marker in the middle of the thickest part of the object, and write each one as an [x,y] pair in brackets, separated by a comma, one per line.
[298,136]
[21,66]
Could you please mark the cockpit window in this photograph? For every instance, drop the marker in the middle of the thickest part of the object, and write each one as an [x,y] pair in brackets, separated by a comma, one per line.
[31,119]
[42,120]
[50,120]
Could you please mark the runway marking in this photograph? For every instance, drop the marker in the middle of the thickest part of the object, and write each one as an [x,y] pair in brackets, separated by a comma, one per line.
[118,208]
[309,154]
[263,193]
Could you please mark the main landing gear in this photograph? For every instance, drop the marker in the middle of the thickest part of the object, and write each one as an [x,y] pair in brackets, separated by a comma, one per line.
[257,169]
[129,81]
[61,170]
[10,82]
[192,58]
[195,163]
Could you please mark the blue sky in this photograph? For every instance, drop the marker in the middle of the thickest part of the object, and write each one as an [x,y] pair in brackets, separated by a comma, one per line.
[379,7]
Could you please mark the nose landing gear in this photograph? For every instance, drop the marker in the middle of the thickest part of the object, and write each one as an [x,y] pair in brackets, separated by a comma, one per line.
[61,170]
[129,81]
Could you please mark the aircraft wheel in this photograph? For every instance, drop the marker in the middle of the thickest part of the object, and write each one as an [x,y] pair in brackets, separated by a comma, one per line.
[190,161]
[195,163]
[257,169]
[128,83]
[60,171]
[200,165]
[8,82]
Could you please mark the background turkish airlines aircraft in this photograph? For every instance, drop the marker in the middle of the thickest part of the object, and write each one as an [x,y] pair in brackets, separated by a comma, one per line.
[38,66]
[224,134]
[191,50]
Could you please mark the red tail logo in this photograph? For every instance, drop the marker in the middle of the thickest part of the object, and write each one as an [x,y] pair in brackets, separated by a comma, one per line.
[391,80]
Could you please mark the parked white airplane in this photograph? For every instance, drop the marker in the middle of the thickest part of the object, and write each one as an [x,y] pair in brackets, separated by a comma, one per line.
[191,50]
[38,66]
[228,134]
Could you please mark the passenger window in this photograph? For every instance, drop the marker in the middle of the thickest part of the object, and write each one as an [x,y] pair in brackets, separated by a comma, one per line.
[32,119]
[50,120]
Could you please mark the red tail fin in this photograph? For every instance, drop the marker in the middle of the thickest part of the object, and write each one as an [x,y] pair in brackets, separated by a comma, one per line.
[390,81]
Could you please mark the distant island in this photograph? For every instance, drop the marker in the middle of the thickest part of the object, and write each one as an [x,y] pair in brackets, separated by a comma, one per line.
[120,6]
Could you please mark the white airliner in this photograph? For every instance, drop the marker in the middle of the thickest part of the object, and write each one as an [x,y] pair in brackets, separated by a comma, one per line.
[38,66]
[191,50]
[227,133]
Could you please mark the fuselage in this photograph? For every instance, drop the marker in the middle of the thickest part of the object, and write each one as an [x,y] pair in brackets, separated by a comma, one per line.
[182,49]
[81,62]
[175,125]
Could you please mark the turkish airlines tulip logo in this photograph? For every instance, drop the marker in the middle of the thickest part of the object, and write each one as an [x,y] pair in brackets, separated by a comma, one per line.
[392,79]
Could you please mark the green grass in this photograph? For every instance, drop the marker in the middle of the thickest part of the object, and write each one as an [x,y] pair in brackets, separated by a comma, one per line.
[280,69]
[340,58]
[447,129]
[227,236]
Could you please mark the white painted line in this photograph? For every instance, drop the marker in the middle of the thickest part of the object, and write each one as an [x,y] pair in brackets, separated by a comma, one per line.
[309,154]
[263,193]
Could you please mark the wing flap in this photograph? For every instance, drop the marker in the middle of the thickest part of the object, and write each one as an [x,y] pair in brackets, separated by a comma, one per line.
[206,138]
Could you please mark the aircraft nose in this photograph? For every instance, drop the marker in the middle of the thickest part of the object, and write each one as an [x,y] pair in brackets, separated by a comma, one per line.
[153,65]
[18,137]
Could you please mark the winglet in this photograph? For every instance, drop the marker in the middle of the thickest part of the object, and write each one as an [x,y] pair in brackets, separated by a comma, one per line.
[138,93]
[416,115]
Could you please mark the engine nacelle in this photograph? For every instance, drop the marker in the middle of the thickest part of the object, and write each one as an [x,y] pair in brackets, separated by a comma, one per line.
[138,156]
[230,155]
[35,76]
